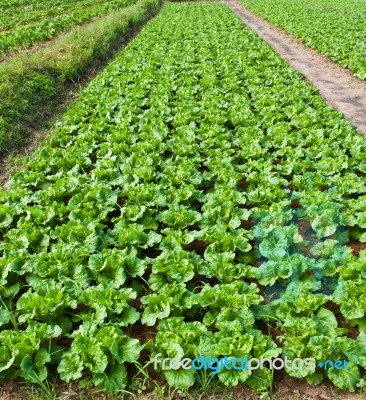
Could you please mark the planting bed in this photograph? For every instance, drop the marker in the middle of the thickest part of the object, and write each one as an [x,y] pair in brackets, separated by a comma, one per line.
[334,28]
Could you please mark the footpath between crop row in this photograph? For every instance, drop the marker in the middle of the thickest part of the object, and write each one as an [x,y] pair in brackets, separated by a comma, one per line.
[339,88]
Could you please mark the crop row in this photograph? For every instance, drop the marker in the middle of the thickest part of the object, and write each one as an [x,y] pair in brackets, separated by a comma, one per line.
[13,16]
[336,29]
[198,187]
[47,24]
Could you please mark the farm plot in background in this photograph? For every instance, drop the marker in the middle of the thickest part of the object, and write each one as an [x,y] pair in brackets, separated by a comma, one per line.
[145,211]
[334,28]
[31,22]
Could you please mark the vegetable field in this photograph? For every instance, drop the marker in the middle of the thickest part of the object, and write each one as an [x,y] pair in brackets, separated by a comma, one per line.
[37,21]
[199,199]
[35,82]
[334,28]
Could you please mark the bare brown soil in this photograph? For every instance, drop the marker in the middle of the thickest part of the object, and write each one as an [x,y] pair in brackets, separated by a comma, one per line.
[197,246]
[340,89]
[356,247]
[287,389]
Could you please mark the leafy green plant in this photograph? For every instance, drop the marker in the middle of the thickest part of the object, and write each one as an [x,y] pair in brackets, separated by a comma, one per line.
[189,203]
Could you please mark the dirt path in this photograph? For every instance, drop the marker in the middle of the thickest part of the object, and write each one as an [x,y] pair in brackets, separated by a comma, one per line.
[337,85]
